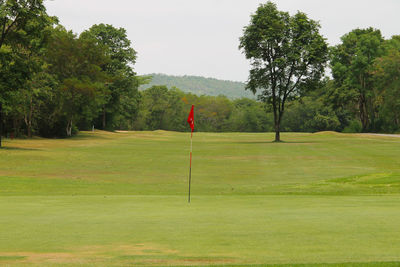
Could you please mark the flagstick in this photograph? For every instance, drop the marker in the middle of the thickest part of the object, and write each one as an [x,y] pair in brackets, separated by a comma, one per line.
[190,169]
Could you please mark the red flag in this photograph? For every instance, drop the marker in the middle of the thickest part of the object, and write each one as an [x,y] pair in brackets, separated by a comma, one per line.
[190,119]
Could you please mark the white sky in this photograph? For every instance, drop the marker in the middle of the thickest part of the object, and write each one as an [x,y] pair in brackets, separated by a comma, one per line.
[201,37]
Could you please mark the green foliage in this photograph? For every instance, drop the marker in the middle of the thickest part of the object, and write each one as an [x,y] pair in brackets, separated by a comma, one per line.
[249,116]
[156,105]
[310,114]
[121,98]
[54,83]
[286,52]
[76,62]
[352,64]
[354,126]
[68,81]
[163,109]
[117,45]
[23,30]
[386,80]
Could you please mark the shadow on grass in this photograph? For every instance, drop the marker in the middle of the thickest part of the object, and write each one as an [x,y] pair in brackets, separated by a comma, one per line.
[18,148]
[346,264]
[86,137]
[12,258]
[78,137]
[276,143]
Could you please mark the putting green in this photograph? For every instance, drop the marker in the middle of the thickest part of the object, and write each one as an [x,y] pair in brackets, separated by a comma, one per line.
[120,199]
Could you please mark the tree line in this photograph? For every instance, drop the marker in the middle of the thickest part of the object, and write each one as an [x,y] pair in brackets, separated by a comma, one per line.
[54,82]
[289,57]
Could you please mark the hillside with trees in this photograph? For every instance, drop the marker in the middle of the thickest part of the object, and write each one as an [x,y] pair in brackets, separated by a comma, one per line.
[200,85]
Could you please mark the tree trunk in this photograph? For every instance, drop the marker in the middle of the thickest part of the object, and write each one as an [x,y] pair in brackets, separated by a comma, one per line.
[277,122]
[363,113]
[69,128]
[28,123]
[1,121]
[104,117]
[277,136]
[29,131]
[276,119]
[29,126]
[277,132]
[15,131]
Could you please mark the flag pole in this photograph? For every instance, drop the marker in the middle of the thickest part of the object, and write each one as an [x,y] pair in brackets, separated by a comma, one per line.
[190,168]
[190,120]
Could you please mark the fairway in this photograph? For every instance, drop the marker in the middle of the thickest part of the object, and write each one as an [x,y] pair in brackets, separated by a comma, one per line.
[120,199]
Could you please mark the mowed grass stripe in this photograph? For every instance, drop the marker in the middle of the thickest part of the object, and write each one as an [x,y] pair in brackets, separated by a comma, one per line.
[143,163]
[164,230]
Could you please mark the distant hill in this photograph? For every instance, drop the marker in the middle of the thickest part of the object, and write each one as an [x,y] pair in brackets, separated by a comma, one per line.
[201,86]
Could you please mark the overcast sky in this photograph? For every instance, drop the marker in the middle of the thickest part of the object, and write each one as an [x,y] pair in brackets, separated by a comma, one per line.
[201,37]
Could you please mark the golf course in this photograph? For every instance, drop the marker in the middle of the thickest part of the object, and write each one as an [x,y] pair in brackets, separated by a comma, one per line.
[120,199]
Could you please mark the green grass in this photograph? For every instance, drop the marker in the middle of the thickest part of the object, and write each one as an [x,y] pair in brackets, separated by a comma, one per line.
[119,199]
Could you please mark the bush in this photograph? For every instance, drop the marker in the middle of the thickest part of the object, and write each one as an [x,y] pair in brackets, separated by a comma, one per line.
[354,127]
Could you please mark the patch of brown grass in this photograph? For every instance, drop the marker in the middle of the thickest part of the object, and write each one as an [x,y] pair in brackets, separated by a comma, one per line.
[113,254]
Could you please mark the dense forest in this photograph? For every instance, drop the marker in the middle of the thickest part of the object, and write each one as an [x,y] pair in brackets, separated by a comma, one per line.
[200,85]
[54,83]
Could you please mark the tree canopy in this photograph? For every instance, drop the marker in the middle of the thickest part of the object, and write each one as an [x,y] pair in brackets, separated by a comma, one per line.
[352,63]
[22,33]
[54,82]
[287,55]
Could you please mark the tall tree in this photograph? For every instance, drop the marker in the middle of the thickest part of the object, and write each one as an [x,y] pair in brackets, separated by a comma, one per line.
[123,84]
[352,64]
[21,23]
[286,53]
[386,73]
[76,62]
